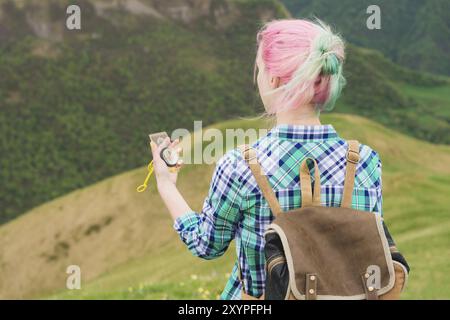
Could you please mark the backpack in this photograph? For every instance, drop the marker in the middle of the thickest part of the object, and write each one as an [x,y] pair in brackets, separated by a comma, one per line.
[317,252]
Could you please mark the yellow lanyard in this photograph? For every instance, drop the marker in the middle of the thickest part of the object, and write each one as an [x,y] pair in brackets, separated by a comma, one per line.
[143,186]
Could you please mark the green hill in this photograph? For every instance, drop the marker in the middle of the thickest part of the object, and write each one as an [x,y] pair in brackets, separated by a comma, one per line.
[76,106]
[126,248]
[411,102]
[413,33]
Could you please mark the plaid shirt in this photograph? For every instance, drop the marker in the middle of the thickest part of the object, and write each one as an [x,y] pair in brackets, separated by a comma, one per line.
[236,209]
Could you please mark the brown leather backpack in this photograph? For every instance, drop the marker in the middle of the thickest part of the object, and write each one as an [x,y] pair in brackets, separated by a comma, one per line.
[317,252]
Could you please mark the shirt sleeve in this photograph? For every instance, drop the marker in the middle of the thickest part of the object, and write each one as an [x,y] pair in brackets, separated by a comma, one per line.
[378,183]
[207,234]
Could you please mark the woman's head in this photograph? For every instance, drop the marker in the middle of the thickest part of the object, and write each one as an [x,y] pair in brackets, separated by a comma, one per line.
[299,63]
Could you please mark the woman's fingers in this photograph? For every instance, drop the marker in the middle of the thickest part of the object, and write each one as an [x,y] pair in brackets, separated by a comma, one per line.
[156,150]
[164,144]
[175,143]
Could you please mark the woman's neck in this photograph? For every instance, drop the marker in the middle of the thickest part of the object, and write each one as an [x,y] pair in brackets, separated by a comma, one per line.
[305,115]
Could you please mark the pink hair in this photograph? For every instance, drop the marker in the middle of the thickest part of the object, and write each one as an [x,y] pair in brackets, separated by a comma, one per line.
[307,57]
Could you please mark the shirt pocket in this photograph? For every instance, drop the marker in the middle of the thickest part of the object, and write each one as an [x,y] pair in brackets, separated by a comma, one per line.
[364,199]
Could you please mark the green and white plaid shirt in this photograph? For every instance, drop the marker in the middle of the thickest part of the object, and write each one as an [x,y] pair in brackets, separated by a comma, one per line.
[236,209]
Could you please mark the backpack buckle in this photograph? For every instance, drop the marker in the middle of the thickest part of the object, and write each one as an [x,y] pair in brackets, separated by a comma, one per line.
[352,156]
[251,157]
[248,152]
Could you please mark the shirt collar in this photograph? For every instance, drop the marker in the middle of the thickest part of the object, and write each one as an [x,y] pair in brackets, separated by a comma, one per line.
[304,132]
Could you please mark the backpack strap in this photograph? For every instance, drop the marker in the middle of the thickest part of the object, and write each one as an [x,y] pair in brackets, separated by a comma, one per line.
[249,155]
[352,157]
[308,198]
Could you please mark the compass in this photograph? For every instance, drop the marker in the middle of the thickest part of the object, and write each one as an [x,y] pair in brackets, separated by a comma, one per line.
[170,156]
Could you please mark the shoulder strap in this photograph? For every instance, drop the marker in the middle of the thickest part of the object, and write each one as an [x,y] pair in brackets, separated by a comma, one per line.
[352,157]
[308,198]
[249,155]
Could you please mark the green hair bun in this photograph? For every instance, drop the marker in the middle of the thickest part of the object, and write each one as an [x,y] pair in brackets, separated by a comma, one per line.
[331,64]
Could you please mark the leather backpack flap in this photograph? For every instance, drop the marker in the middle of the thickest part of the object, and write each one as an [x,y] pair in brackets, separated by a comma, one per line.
[335,253]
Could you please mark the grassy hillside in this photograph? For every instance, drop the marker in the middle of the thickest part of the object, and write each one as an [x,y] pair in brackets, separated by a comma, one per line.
[126,248]
[410,102]
[76,106]
[414,33]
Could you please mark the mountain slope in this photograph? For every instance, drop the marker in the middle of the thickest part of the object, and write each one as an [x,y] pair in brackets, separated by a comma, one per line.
[414,33]
[399,98]
[126,248]
[76,106]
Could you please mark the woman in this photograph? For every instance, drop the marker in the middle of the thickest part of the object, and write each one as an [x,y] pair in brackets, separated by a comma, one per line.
[299,73]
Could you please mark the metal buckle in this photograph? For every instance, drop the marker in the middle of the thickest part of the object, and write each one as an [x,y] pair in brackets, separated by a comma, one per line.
[352,157]
[246,153]
[250,158]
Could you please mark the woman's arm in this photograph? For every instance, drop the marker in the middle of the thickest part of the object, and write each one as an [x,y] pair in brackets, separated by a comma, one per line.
[166,182]
[207,234]
[173,199]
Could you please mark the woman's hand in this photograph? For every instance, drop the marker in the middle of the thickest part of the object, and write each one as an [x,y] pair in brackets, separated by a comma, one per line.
[166,178]
[163,173]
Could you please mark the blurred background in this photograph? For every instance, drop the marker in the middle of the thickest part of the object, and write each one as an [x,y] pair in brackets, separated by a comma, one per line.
[76,107]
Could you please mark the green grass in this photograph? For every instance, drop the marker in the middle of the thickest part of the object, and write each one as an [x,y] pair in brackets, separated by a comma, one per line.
[416,184]
[169,273]
[435,99]
[77,111]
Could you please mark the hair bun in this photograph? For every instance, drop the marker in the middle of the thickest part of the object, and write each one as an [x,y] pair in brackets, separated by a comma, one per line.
[330,63]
